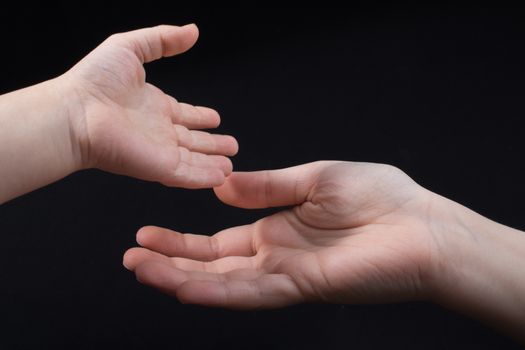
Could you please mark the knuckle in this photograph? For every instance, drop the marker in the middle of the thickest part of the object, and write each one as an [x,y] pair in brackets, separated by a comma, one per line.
[115,37]
[215,247]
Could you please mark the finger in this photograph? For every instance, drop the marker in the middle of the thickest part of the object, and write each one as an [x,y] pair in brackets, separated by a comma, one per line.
[264,292]
[150,44]
[197,170]
[150,270]
[203,142]
[168,278]
[270,188]
[136,256]
[200,160]
[236,241]
[222,265]
[238,289]
[193,177]
[194,117]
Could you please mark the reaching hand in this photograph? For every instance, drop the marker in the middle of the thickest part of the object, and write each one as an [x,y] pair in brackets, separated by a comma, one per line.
[358,232]
[130,127]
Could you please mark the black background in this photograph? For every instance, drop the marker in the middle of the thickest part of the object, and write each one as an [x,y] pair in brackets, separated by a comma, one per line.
[435,90]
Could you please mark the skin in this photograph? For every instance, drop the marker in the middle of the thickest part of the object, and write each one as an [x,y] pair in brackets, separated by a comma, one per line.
[103,114]
[352,232]
[355,233]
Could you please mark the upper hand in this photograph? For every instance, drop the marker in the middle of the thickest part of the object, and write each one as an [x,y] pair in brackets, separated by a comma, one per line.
[357,232]
[127,126]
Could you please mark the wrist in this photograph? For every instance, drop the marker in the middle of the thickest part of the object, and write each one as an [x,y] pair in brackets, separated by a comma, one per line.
[479,269]
[75,119]
[38,145]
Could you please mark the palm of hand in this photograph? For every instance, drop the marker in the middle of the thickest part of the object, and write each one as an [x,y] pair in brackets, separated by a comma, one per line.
[131,127]
[356,234]
[358,238]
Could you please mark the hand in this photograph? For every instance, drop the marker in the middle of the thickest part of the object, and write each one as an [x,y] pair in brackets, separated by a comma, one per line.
[127,126]
[358,232]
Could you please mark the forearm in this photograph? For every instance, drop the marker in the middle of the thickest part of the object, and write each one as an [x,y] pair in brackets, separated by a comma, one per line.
[37,144]
[483,273]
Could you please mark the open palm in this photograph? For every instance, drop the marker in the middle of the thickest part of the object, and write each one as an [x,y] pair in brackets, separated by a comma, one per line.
[356,233]
[130,127]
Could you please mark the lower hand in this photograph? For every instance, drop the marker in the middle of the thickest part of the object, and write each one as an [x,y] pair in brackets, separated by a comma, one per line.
[356,233]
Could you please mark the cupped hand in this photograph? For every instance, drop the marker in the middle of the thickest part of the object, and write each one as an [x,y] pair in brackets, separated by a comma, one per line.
[356,232]
[127,126]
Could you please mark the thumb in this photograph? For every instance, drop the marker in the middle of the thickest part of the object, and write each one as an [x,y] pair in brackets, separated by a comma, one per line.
[270,188]
[152,43]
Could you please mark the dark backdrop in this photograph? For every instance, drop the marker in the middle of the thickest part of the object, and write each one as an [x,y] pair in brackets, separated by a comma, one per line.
[436,90]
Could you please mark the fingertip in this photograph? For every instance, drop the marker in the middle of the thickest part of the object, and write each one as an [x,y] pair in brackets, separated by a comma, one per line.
[234,146]
[219,178]
[214,177]
[227,168]
[132,257]
[236,192]
[192,27]
[211,116]
[222,191]
[221,167]
[125,260]
[178,39]
[216,117]
[143,234]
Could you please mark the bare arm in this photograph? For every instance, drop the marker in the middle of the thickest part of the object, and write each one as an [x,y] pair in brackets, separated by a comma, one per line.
[358,233]
[37,144]
[482,268]
[103,114]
